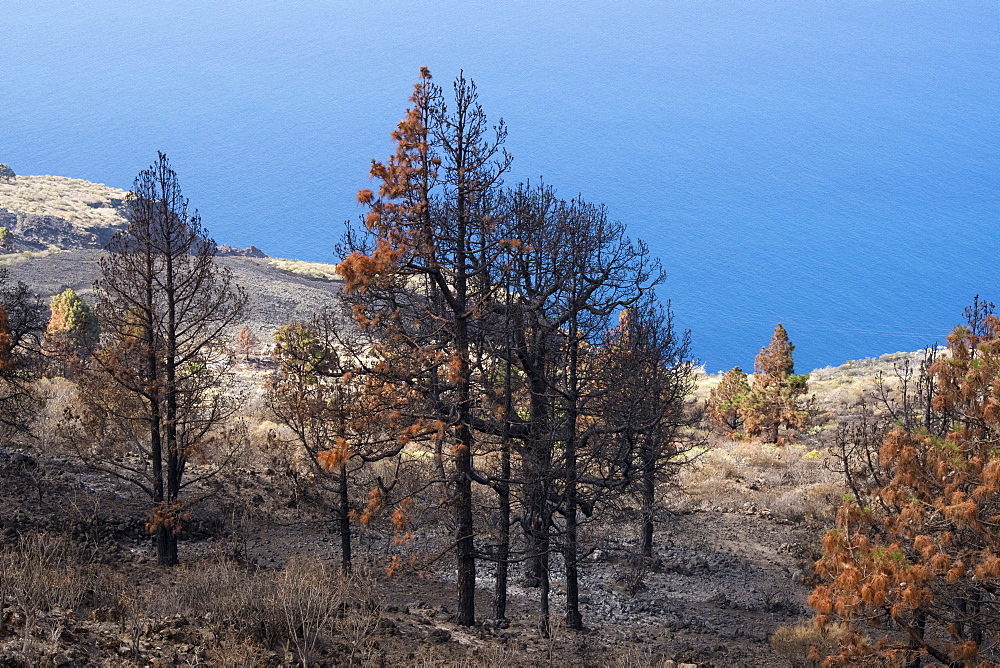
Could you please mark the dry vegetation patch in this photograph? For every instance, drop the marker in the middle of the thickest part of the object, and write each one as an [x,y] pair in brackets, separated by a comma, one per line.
[803,644]
[61,605]
[729,569]
[790,481]
[80,202]
[311,269]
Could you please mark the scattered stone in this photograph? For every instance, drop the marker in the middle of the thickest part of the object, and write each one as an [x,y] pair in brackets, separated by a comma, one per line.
[387,627]
[24,461]
[439,636]
[720,599]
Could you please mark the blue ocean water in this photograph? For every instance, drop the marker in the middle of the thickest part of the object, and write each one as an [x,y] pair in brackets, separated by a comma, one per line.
[834,166]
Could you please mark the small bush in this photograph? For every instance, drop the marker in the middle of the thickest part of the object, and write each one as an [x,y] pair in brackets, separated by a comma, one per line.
[804,644]
[760,455]
[309,606]
[823,499]
[41,572]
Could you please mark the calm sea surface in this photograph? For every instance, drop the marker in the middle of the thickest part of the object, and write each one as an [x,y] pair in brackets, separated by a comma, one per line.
[834,166]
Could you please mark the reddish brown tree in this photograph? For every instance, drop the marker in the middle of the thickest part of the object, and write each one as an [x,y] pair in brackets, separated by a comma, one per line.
[726,399]
[420,277]
[246,340]
[163,306]
[913,564]
[318,395]
[773,399]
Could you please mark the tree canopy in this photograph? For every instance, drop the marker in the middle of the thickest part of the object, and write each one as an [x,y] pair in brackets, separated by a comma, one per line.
[163,305]
[491,314]
[773,397]
[912,565]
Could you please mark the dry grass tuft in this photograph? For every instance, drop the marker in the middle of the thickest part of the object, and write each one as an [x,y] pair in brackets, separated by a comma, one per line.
[310,610]
[42,572]
[795,642]
[312,269]
[82,203]
[310,606]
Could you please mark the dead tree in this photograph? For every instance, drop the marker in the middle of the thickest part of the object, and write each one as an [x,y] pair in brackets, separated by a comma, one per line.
[320,394]
[21,324]
[163,306]
[420,279]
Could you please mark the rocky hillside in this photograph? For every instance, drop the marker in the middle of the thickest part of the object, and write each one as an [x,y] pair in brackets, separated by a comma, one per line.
[45,212]
[58,226]
[278,293]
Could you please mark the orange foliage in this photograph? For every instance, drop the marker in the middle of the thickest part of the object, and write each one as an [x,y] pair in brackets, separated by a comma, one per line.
[922,552]
[361,271]
[394,565]
[376,498]
[332,459]
[166,515]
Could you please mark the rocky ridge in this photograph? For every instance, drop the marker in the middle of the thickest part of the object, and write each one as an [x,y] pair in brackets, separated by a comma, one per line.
[49,213]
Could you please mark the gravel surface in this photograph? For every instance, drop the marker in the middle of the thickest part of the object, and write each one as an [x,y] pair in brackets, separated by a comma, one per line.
[277,297]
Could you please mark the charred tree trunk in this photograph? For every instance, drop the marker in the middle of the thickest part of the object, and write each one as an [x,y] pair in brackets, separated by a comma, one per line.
[175,456]
[916,640]
[772,433]
[503,548]
[570,548]
[543,590]
[648,504]
[537,465]
[574,619]
[537,520]
[344,516]
[464,531]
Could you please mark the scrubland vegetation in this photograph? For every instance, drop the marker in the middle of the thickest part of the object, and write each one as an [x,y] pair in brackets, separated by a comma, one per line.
[312,269]
[494,448]
[80,202]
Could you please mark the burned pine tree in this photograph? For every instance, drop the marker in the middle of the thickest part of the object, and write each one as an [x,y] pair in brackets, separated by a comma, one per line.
[486,311]
[320,394]
[21,324]
[419,278]
[570,270]
[153,385]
